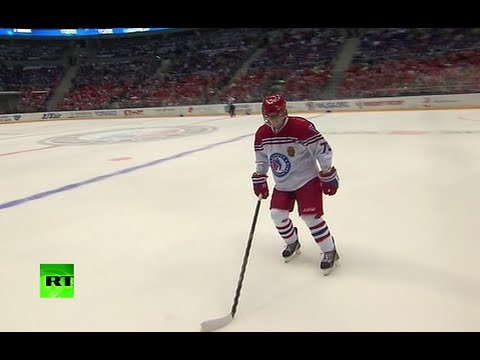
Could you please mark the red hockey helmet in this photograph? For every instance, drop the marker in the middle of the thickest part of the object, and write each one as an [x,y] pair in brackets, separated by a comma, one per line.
[274,105]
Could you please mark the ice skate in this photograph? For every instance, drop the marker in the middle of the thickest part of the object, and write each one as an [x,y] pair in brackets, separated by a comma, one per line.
[329,261]
[291,251]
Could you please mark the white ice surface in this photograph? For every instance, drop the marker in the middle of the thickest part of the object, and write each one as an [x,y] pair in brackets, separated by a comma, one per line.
[160,248]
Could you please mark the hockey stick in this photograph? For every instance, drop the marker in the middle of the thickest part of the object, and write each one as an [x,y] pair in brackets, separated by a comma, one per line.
[214,324]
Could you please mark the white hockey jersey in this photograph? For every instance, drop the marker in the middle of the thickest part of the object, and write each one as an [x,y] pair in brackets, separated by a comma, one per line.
[291,153]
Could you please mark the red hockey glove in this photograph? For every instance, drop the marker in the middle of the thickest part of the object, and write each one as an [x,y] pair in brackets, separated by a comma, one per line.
[330,181]
[260,185]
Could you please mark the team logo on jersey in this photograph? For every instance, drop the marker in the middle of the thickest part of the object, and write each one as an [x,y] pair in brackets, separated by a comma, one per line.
[291,151]
[280,164]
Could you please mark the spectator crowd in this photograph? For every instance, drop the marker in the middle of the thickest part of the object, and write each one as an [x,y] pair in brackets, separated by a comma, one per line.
[207,66]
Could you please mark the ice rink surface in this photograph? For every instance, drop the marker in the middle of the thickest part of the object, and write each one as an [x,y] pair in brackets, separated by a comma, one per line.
[155,215]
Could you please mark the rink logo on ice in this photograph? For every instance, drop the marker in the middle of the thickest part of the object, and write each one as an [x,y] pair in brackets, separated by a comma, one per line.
[153,133]
[56,281]
[280,164]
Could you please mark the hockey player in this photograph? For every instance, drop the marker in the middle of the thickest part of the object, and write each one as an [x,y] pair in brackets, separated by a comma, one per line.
[291,146]
[231,106]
